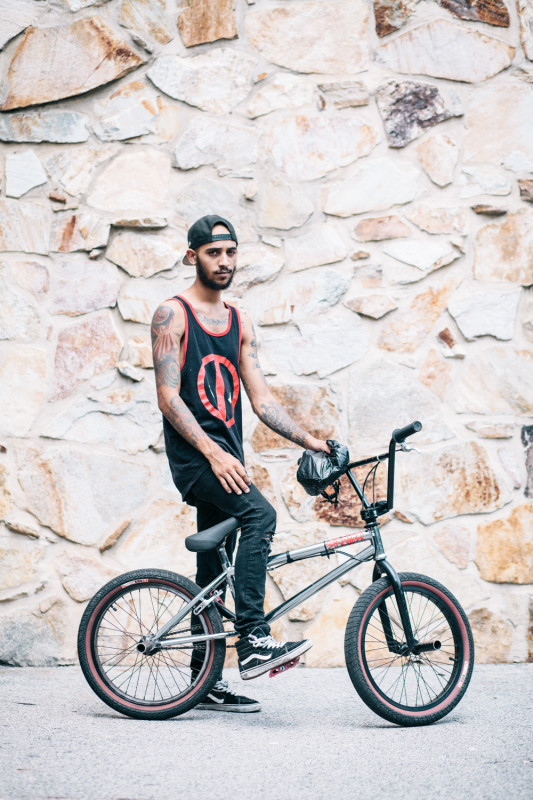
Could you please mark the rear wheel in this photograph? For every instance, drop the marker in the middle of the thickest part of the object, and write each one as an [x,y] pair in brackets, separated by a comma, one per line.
[145,685]
[402,687]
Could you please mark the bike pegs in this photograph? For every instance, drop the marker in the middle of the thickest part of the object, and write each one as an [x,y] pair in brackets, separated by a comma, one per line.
[283,667]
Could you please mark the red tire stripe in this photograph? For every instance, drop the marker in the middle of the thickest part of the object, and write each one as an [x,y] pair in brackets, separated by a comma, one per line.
[106,689]
[466,645]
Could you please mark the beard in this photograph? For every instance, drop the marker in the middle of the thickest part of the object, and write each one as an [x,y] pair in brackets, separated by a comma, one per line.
[211,283]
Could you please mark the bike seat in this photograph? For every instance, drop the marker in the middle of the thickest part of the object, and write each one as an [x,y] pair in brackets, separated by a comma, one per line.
[211,537]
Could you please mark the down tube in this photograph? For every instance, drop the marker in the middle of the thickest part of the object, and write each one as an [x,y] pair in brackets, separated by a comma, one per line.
[321,583]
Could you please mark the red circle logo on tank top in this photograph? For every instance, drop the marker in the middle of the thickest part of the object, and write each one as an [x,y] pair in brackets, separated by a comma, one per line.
[218,391]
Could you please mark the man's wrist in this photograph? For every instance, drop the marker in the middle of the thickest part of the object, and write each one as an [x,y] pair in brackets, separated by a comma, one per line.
[209,448]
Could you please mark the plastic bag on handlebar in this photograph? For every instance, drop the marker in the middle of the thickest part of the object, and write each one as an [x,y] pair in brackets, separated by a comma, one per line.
[317,471]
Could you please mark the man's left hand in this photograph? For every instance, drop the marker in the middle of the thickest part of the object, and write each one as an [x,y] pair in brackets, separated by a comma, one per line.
[317,444]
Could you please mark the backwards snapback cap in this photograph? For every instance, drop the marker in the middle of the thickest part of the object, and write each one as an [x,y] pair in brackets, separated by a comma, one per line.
[201,232]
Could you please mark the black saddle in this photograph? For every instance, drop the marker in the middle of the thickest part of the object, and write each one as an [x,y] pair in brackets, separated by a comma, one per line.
[212,537]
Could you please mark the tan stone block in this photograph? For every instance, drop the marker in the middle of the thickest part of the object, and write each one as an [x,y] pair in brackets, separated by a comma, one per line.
[147,16]
[19,565]
[140,351]
[511,101]
[492,430]
[498,381]
[81,286]
[405,331]
[111,538]
[503,251]
[443,49]
[438,155]
[327,630]
[84,350]
[145,254]
[260,477]
[454,542]
[374,305]
[505,547]
[375,229]
[282,205]
[453,480]
[307,146]
[435,374]
[492,636]
[439,220]
[24,226]
[82,576]
[207,21]
[36,639]
[373,417]
[22,374]
[286,35]
[299,503]
[156,539]
[311,407]
[80,493]
[126,185]
[31,276]
[78,57]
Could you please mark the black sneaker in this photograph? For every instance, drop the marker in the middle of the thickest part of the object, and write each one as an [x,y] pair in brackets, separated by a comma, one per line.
[222,698]
[258,655]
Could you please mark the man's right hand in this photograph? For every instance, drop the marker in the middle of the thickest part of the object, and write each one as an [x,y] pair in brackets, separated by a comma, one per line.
[229,471]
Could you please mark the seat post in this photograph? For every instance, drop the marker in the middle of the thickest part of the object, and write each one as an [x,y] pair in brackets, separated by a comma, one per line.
[226,566]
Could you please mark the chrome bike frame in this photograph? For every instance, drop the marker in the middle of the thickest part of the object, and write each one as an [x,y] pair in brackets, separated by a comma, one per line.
[161,640]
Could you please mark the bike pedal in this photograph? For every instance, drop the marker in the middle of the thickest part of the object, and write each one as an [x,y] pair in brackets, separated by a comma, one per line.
[283,667]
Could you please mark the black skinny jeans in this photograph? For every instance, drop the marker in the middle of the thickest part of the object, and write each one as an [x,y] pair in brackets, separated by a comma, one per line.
[258,524]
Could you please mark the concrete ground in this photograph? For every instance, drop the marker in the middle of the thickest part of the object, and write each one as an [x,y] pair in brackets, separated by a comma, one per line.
[314,739]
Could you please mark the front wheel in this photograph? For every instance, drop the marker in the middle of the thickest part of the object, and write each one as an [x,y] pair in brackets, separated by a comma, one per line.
[161,684]
[402,687]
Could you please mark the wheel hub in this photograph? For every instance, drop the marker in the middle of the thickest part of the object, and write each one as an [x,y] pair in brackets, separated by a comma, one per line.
[148,646]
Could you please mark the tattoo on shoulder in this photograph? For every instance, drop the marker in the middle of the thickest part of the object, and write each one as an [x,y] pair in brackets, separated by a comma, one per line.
[162,338]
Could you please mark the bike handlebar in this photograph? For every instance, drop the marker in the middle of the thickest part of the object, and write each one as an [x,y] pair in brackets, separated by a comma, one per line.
[400,434]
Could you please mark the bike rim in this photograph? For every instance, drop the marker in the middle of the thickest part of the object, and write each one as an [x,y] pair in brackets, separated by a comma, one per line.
[160,679]
[415,684]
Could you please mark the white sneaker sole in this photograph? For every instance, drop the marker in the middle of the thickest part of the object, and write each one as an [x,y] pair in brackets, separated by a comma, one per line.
[260,669]
[246,709]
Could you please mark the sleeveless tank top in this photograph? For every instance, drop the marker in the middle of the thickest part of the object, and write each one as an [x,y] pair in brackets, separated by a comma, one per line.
[210,388]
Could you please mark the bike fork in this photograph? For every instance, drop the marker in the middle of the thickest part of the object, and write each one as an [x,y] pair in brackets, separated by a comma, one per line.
[410,645]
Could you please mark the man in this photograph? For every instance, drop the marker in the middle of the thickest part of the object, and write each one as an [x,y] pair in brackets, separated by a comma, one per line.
[203,348]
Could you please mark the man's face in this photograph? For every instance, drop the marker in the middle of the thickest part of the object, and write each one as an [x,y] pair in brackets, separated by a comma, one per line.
[216,262]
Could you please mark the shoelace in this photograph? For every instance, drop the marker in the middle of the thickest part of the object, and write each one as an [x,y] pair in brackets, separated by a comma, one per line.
[223,686]
[264,641]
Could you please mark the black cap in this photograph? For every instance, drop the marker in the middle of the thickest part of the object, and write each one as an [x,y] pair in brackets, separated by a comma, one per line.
[201,232]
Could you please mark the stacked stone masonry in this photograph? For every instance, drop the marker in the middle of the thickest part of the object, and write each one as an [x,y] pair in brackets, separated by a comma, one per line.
[376,158]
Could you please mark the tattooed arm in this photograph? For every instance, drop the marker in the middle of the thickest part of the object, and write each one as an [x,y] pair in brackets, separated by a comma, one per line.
[268,409]
[168,326]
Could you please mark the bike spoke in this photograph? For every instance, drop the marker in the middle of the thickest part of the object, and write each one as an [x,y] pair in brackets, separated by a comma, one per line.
[148,678]
[410,680]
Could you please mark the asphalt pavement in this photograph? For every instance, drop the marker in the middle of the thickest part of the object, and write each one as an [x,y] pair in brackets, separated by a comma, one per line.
[314,739]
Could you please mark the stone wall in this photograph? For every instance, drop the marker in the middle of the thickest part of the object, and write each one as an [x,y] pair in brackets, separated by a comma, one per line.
[377,162]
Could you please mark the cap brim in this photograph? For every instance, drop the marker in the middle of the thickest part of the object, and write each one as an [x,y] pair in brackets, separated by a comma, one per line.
[186,261]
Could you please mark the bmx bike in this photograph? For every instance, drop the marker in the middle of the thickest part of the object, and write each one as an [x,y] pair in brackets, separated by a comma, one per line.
[408,645]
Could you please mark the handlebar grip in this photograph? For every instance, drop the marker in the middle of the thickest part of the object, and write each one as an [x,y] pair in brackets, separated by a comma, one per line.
[400,434]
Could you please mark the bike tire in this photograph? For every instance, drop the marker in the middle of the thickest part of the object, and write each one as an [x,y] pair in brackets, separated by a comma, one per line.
[142,686]
[409,690]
